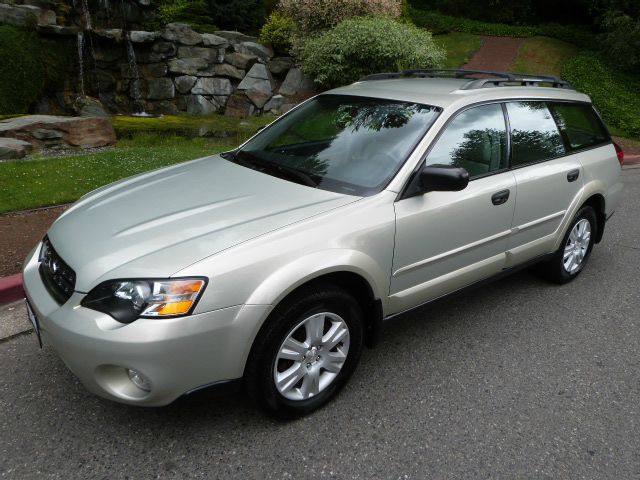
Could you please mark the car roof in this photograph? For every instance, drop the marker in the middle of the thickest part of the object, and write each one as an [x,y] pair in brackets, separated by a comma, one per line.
[448,92]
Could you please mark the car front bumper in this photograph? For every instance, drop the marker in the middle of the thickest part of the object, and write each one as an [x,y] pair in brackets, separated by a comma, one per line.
[176,355]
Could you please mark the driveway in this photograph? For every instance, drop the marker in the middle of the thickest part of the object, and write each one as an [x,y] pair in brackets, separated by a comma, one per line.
[519,379]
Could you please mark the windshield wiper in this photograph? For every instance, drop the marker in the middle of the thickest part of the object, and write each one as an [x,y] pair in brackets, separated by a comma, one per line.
[281,171]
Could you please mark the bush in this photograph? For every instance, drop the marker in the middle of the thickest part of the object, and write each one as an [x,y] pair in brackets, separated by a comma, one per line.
[439,23]
[208,15]
[27,68]
[360,46]
[614,94]
[621,42]
[313,16]
[278,32]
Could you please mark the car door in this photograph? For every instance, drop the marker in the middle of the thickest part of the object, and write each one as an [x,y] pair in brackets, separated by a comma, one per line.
[547,179]
[447,240]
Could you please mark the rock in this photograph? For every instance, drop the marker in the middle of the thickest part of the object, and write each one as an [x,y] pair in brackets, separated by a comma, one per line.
[212,86]
[57,30]
[154,70]
[163,107]
[211,55]
[164,49]
[240,60]
[257,97]
[22,15]
[280,65]
[223,70]
[11,148]
[187,66]
[211,40]
[296,83]
[40,130]
[181,33]
[274,104]
[240,106]
[89,107]
[139,36]
[144,3]
[254,48]
[235,37]
[258,78]
[185,83]
[160,89]
[201,105]
[114,34]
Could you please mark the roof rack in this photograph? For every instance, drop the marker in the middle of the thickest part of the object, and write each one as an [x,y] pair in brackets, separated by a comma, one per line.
[478,78]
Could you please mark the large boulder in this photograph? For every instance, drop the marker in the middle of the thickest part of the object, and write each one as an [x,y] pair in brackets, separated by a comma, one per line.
[258,78]
[11,148]
[181,33]
[211,55]
[241,60]
[235,37]
[254,48]
[139,36]
[187,66]
[160,89]
[57,131]
[202,105]
[240,106]
[185,83]
[212,86]
[296,84]
[211,40]
[223,70]
[21,15]
[280,65]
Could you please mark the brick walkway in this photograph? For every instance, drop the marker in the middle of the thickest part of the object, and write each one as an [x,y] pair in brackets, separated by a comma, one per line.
[496,53]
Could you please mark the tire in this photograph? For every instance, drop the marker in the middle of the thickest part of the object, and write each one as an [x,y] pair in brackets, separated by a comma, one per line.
[561,269]
[297,319]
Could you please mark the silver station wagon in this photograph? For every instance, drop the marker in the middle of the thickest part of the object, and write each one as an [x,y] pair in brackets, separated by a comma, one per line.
[272,265]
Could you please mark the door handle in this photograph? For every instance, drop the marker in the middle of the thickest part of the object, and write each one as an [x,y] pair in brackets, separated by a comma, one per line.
[500,197]
[573,175]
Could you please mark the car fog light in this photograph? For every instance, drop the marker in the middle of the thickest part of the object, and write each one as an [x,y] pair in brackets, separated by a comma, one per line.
[139,380]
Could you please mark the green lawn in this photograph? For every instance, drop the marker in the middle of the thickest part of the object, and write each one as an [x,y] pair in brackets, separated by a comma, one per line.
[543,55]
[144,144]
[460,47]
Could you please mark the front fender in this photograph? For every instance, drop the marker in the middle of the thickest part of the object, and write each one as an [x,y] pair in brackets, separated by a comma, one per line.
[304,269]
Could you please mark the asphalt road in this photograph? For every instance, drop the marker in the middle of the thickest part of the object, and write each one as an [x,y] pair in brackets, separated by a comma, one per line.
[519,379]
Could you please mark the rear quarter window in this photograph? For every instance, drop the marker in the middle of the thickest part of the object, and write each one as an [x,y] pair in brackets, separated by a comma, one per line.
[579,125]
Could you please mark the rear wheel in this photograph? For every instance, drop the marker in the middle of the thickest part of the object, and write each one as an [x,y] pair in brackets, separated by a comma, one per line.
[306,352]
[575,249]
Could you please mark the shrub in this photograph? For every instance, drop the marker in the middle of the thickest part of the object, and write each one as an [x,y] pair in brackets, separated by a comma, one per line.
[621,42]
[208,15]
[313,16]
[278,31]
[614,94]
[364,45]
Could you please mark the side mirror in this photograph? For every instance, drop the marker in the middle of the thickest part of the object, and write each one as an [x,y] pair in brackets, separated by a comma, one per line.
[443,179]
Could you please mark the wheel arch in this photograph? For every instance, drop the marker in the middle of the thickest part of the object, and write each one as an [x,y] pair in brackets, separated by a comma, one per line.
[597,202]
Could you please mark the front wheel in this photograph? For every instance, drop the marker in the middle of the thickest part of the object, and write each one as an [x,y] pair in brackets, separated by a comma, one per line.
[306,352]
[575,249]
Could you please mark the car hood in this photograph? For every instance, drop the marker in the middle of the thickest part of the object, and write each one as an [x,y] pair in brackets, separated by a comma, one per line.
[158,223]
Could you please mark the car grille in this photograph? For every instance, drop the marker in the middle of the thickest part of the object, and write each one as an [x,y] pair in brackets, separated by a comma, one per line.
[58,277]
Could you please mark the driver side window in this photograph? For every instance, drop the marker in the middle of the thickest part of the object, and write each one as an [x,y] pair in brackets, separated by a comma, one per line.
[475,140]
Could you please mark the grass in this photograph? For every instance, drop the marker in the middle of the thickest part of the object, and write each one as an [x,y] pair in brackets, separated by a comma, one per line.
[460,47]
[53,181]
[144,144]
[543,55]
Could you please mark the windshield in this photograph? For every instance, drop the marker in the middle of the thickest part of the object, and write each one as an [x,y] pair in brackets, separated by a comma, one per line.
[345,144]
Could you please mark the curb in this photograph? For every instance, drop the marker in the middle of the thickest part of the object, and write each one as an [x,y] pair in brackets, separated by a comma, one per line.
[11,288]
[631,159]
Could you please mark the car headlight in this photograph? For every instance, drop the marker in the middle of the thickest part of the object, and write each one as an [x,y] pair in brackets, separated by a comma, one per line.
[128,300]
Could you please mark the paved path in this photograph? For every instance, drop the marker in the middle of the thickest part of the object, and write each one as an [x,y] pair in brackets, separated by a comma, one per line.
[496,53]
[519,379]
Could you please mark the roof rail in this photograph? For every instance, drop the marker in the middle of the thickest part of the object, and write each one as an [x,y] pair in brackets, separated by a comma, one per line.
[477,78]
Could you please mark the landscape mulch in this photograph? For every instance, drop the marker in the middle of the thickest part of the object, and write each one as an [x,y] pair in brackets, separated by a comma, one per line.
[496,53]
[20,232]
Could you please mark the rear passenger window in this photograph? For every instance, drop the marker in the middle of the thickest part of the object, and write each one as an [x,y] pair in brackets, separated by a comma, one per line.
[579,125]
[534,134]
[475,140]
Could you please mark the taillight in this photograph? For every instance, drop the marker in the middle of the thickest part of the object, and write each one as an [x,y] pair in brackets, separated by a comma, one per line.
[619,153]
